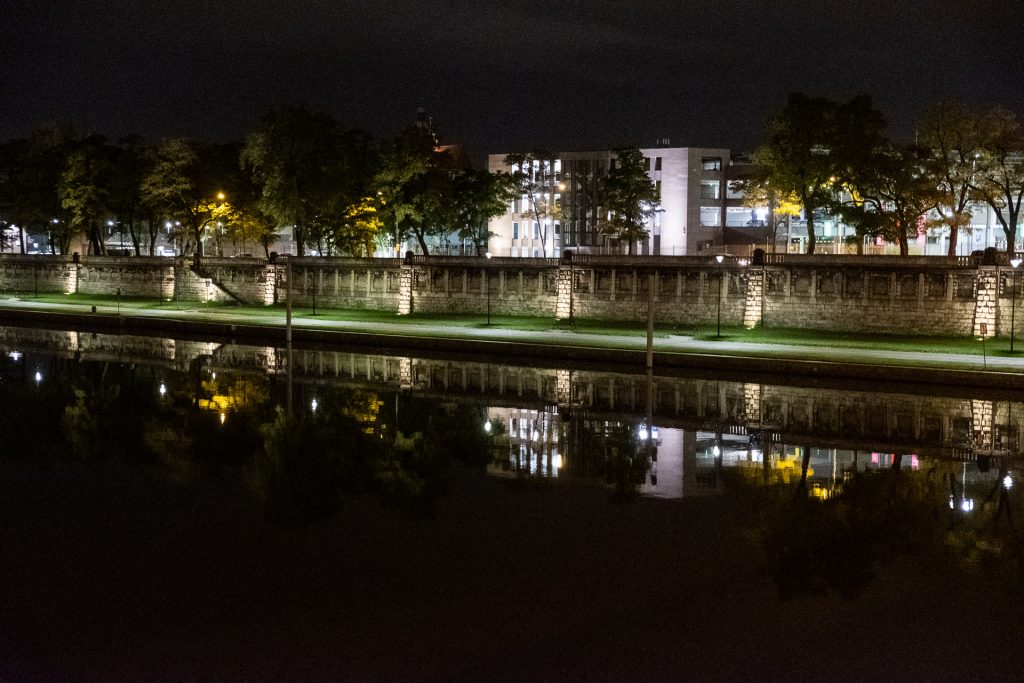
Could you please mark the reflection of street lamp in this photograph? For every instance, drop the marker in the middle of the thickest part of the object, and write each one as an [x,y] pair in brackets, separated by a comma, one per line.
[719,258]
[487,278]
[1013,306]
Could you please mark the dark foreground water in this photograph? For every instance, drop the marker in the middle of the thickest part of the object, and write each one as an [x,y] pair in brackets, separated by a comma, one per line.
[164,518]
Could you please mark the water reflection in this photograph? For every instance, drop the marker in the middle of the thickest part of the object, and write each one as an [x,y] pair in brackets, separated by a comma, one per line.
[392,425]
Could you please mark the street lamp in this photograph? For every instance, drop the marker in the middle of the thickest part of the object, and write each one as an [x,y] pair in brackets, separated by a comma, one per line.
[1013,306]
[487,279]
[719,258]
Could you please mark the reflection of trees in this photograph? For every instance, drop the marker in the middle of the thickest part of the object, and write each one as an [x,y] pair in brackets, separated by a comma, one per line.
[397,448]
[838,544]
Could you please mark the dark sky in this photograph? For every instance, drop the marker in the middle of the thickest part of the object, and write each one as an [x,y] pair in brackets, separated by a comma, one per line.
[501,74]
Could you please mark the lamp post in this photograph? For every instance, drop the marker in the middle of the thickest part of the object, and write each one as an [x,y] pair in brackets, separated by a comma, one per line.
[719,258]
[1013,306]
[487,282]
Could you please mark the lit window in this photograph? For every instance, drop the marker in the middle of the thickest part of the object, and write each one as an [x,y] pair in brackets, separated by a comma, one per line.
[711,163]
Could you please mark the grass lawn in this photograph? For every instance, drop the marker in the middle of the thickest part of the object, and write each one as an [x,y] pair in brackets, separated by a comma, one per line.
[863,343]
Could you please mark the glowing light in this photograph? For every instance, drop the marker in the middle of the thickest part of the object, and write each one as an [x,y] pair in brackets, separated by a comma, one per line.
[719,258]
[1015,262]
[39,377]
[162,389]
[716,451]
[223,416]
[642,432]
[221,196]
[15,356]
[487,426]
[556,461]
[967,504]
[1007,482]
[314,405]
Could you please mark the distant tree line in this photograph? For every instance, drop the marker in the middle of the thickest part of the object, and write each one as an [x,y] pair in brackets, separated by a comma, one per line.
[837,157]
[341,191]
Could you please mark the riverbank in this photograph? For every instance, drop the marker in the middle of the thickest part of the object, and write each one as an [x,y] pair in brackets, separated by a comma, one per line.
[881,359]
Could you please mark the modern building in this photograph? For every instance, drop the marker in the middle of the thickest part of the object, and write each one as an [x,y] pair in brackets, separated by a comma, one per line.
[696,204]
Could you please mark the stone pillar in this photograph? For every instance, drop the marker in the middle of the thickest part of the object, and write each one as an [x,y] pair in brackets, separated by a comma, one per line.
[985,301]
[753,307]
[563,304]
[405,276]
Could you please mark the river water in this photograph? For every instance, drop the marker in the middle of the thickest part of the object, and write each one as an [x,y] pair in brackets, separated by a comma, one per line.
[194,509]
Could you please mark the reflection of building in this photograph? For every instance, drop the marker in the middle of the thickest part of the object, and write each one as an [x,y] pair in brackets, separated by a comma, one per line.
[696,204]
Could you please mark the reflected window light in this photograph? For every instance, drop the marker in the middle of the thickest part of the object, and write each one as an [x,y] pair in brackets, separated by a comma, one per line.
[223,416]
[214,375]
[1007,482]
[314,405]
[163,389]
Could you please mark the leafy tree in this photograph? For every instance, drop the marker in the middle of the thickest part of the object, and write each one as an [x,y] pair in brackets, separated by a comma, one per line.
[125,185]
[534,174]
[757,191]
[630,199]
[184,186]
[999,181]
[797,154]
[893,192]
[480,196]
[30,171]
[950,131]
[415,185]
[307,169]
[84,192]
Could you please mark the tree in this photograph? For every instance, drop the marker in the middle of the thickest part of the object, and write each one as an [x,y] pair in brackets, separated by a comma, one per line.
[30,171]
[999,181]
[891,193]
[630,198]
[950,131]
[757,191]
[307,169]
[797,154]
[534,175]
[480,196]
[84,192]
[415,184]
[183,184]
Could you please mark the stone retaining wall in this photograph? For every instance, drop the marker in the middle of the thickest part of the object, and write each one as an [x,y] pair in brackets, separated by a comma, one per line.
[934,295]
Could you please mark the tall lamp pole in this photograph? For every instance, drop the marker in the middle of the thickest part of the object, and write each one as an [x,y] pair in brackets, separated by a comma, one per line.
[719,258]
[1013,307]
[487,279]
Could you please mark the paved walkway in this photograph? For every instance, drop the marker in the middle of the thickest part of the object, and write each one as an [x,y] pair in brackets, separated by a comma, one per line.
[669,344]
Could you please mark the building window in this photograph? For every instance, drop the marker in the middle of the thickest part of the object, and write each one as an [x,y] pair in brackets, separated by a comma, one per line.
[657,163]
[711,163]
[657,187]
[710,216]
[709,189]
[515,231]
[558,228]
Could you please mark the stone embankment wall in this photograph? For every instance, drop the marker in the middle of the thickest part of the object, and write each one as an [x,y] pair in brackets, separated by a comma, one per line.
[912,295]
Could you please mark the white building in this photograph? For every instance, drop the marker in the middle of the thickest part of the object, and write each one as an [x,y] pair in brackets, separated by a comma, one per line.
[696,204]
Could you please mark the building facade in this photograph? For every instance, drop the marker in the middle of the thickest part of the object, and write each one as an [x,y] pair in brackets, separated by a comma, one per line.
[696,204]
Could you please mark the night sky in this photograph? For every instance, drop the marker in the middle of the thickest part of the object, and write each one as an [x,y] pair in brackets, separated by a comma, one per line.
[496,75]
